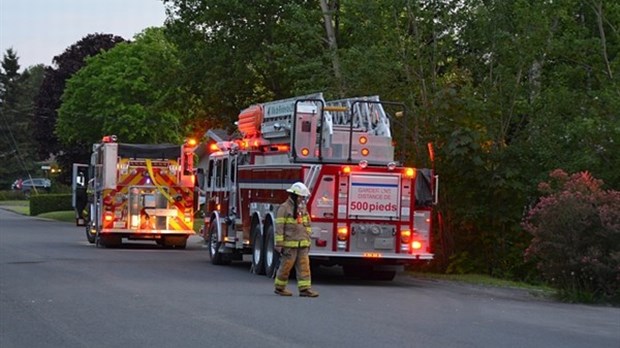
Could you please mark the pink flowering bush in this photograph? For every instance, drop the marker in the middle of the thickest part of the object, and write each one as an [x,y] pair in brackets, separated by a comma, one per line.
[576,237]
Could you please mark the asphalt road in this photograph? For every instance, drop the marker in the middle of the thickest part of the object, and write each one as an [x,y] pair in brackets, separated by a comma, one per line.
[56,290]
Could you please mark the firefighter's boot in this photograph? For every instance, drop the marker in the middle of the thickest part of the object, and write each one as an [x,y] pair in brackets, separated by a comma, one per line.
[308,293]
[283,292]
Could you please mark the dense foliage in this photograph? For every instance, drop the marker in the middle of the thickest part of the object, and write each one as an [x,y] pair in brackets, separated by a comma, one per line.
[576,236]
[48,100]
[45,203]
[17,145]
[130,91]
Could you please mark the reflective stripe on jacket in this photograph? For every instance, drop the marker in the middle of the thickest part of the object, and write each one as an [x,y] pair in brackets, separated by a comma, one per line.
[292,231]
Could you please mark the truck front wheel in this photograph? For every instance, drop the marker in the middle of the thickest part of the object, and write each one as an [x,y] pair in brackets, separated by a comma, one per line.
[214,247]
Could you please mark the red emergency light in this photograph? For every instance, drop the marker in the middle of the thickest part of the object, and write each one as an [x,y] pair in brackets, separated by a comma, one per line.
[109,139]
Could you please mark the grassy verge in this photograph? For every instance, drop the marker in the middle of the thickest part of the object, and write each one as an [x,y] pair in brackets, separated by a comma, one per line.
[23,207]
[20,207]
[481,279]
[66,216]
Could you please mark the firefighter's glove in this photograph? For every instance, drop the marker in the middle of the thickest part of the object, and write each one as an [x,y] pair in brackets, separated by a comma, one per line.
[278,249]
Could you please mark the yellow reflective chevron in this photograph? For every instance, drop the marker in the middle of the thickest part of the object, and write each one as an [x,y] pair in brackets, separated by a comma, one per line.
[149,167]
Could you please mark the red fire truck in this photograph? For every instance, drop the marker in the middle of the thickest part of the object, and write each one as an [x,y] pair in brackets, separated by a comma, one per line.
[370,214]
[136,191]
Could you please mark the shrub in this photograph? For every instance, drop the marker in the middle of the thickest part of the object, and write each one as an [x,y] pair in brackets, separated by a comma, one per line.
[576,237]
[49,202]
[12,195]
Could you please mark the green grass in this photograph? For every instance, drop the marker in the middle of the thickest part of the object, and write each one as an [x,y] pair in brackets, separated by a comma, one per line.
[66,216]
[481,279]
[20,207]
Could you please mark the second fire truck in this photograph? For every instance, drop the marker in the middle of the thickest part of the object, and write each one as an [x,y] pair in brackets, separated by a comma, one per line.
[136,192]
[370,214]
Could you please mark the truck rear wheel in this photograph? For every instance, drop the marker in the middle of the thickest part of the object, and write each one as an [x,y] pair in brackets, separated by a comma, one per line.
[91,234]
[272,258]
[258,251]
[214,247]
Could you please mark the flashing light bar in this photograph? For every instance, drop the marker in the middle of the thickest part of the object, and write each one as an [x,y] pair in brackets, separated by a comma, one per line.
[109,139]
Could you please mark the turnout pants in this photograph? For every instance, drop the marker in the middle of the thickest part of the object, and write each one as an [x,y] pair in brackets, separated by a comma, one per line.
[297,257]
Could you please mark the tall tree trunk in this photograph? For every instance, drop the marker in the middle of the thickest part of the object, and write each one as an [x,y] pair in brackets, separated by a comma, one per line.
[598,9]
[328,8]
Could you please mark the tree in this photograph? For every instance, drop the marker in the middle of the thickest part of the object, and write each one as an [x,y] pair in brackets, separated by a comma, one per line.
[48,99]
[130,91]
[235,55]
[17,148]
[9,76]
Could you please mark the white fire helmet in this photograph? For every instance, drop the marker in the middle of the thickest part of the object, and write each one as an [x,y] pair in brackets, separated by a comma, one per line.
[299,189]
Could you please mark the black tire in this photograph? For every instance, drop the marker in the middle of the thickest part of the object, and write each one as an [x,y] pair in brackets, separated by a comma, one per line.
[214,247]
[258,251]
[272,258]
[91,234]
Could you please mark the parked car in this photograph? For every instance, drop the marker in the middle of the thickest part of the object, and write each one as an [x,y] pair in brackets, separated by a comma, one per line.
[41,184]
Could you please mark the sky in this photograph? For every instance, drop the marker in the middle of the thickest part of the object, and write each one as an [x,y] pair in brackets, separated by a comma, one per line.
[38,30]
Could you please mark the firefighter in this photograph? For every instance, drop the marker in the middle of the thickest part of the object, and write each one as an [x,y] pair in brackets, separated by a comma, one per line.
[293,242]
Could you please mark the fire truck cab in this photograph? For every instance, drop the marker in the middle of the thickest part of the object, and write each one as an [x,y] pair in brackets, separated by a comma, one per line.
[137,192]
[369,213]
